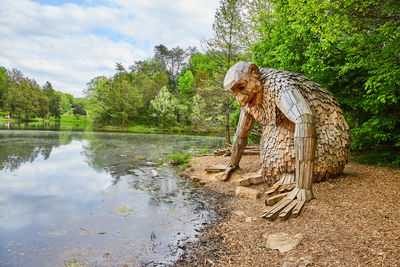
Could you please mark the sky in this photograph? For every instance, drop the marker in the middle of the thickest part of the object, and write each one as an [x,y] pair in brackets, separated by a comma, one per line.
[70,42]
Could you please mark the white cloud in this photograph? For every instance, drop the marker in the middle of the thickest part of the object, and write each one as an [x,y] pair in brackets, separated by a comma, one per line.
[71,44]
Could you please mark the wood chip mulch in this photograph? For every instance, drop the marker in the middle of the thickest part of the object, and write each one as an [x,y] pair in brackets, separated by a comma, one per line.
[354,220]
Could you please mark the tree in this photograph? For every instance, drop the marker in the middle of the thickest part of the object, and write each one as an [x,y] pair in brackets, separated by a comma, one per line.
[172,60]
[54,100]
[185,85]
[163,107]
[113,101]
[42,107]
[351,48]
[225,47]
[119,67]
[3,85]
[79,109]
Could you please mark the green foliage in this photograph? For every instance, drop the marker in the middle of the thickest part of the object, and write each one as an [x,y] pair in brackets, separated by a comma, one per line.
[163,107]
[352,48]
[381,156]
[3,85]
[185,166]
[179,158]
[185,84]
[54,106]
[203,63]
[66,102]
[25,98]
[113,101]
[79,109]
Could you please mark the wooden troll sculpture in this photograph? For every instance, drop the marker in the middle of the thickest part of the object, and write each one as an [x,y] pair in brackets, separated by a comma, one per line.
[305,135]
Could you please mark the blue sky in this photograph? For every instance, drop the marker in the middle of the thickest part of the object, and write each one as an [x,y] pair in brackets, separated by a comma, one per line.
[70,42]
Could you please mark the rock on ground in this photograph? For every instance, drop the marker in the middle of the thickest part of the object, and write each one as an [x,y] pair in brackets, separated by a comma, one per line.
[283,241]
[246,192]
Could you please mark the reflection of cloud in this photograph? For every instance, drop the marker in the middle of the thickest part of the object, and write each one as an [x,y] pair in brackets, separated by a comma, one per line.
[24,209]
[46,191]
[65,165]
[31,195]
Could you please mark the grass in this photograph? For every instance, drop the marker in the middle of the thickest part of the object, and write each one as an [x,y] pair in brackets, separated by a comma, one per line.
[179,158]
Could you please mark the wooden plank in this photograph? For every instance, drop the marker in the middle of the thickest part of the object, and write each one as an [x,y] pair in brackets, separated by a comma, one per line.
[285,213]
[256,180]
[290,187]
[298,208]
[273,213]
[293,193]
[216,168]
[282,188]
[272,190]
[275,199]
[301,194]
[244,182]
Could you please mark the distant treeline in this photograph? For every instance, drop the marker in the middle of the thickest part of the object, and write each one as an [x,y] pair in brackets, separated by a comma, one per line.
[352,48]
[23,98]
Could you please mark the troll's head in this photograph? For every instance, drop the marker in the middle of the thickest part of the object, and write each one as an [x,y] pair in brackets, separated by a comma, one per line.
[242,80]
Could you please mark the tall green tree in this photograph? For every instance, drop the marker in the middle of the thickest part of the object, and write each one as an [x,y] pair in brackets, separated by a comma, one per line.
[351,48]
[3,85]
[113,101]
[163,107]
[185,85]
[54,100]
[225,47]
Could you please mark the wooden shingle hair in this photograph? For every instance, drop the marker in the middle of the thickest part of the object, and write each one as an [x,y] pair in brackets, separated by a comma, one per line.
[305,135]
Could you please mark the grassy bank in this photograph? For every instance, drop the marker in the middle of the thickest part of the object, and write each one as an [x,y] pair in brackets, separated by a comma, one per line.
[82,123]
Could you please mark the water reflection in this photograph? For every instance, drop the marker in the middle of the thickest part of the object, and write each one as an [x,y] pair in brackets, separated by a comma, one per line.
[93,197]
[46,125]
[16,149]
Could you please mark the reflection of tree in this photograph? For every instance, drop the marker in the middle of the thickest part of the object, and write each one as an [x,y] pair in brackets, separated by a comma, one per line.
[123,154]
[17,149]
[118,153]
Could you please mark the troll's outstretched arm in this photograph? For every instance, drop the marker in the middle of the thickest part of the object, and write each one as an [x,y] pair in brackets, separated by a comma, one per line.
[246,122]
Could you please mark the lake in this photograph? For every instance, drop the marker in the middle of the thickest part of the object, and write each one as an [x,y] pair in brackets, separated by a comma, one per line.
[96,198]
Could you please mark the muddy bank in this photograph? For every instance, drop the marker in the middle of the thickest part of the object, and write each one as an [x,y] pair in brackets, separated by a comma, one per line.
[354,220]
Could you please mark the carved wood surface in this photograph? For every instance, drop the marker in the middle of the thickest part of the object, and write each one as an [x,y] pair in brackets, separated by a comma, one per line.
[277,145]
[305,136]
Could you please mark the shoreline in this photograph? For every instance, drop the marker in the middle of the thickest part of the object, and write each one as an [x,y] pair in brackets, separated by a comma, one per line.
[353,220]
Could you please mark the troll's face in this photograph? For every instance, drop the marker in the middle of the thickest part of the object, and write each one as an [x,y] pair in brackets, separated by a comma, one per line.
[242,80]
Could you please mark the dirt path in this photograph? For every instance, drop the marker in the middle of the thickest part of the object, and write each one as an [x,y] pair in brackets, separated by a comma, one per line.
[354,220]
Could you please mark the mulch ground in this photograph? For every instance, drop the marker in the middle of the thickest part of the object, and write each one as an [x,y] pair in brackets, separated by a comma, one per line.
[354,220]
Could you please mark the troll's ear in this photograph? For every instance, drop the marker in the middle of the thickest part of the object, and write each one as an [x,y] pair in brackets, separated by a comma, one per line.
[254,70]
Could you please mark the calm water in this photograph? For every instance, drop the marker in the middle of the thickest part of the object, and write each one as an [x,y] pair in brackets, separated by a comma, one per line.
[95,198]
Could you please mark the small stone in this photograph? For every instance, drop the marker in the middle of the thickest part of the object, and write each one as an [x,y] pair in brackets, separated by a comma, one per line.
[248,219]
[194,178]
[245,192]
[283,242]
[288,264]
[305,261]
[154,173]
